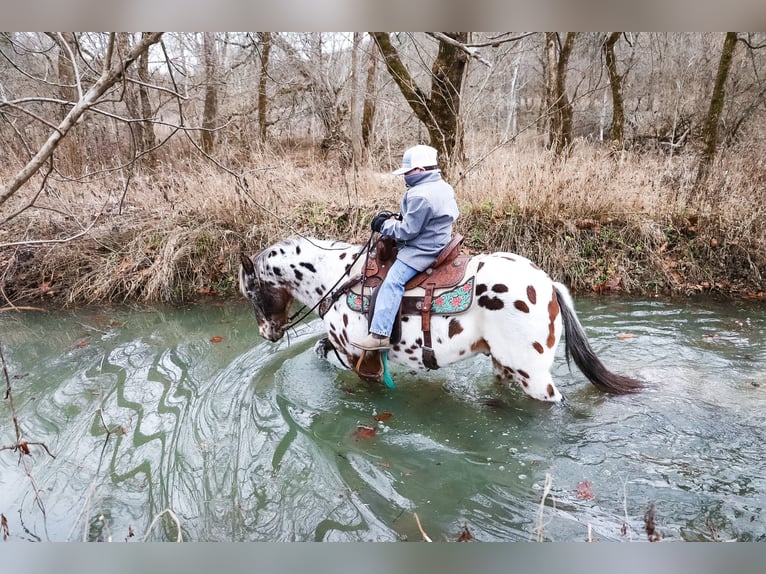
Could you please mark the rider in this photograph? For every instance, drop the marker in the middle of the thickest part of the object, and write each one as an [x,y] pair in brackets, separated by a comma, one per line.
[421,231]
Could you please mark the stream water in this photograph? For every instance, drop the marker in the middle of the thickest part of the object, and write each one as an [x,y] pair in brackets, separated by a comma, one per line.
[168,423]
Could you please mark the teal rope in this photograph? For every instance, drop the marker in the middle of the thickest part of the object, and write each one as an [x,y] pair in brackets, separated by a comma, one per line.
[386,375]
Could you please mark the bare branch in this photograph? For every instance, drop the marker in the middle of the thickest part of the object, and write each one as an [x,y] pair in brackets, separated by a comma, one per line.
[74,64]
[32,201]
[470,50]
[110,76]
[65,240]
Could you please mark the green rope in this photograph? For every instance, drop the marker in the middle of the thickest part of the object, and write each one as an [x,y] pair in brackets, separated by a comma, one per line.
[386,375]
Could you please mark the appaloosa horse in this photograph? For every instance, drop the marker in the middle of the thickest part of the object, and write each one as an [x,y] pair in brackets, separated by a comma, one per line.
[503,306]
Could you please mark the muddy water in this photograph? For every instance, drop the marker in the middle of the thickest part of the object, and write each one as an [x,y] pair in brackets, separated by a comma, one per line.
[183,422]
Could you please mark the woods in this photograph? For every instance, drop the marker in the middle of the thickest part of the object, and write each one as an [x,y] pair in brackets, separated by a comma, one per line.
[123,146]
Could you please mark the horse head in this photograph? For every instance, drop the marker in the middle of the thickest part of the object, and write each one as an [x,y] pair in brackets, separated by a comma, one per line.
[270,299]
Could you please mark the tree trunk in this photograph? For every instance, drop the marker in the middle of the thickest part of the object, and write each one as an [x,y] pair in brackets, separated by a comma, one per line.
[554,123]
[150,139]
[356,122]
[263,99]
[560,109]
[717,100]
[616,130]
[66,70]
[210,111]
[448,71]
[130,98]
[440,113]
[368,111]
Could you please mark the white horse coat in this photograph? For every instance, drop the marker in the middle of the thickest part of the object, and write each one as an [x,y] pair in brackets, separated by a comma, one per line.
[516,315]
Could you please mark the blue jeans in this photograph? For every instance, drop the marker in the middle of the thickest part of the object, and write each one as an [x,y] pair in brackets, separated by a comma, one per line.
[390,297]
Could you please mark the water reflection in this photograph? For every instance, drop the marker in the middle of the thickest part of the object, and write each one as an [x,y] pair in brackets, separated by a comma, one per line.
[242,439]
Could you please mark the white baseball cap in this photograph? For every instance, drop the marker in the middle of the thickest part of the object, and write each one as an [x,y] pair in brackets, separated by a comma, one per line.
[417,156]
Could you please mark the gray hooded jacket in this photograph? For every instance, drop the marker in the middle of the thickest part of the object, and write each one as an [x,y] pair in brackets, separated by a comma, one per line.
[428,211]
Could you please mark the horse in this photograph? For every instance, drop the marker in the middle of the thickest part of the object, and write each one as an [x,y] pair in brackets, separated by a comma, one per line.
[511,311]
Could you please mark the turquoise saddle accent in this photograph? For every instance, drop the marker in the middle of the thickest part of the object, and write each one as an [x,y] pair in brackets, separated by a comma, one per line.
[456,300]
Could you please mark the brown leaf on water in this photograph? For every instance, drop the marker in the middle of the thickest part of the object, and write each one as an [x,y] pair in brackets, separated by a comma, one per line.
[383,416]
[365,432]
[216,339]
[584,491]
[465,534]
[4,524]
[651,528]
[626,336]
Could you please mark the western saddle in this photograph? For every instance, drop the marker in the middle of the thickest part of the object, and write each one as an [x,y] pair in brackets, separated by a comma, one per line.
[447,270]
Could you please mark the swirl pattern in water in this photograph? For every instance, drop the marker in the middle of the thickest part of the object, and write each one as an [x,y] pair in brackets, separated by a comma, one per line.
[184,423]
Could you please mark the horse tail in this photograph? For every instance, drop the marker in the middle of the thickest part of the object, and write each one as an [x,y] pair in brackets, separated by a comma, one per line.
[578,347]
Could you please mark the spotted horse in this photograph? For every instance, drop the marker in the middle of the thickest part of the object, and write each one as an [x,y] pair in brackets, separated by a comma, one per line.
[504,306]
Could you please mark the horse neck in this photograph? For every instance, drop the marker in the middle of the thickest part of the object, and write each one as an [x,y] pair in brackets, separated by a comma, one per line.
[308,268]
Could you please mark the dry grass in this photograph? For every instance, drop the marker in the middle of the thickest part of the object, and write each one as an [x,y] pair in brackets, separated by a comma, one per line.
[597,221]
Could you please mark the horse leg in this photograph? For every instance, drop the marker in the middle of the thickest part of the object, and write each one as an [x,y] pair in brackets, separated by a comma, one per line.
[323,347]
[535,379]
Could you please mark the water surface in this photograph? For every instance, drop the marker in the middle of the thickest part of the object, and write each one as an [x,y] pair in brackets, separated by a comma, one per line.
[160,418]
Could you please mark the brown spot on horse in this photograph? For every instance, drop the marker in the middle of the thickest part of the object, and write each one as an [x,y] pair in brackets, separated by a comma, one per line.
[531,294]
[521,306]
[455,328]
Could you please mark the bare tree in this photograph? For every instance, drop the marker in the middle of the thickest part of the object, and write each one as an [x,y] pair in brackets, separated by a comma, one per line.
[439,111]
[717,100]
[356,120]
[368,109]
[557,102]
[263,76]
[150,139]
[615,84]
[210,111]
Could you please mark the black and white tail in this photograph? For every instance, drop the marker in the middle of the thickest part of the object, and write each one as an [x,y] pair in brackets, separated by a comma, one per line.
[578,347]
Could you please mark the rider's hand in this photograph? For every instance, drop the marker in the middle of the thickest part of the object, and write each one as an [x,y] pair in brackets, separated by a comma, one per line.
[377,221]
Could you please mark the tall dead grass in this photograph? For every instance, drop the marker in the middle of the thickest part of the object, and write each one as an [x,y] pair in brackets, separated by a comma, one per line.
[622,221]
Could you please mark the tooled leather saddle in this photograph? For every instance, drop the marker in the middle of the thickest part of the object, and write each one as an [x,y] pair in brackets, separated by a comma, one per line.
[447,272]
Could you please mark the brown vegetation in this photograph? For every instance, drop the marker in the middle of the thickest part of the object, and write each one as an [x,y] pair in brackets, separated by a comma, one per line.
[597,222]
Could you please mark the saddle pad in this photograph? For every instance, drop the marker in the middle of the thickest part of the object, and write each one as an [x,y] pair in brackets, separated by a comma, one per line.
[456,300]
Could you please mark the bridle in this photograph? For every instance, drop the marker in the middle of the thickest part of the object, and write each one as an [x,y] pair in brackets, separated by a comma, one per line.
[331,294]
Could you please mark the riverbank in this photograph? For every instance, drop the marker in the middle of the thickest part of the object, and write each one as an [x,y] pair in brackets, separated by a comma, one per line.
[629,225]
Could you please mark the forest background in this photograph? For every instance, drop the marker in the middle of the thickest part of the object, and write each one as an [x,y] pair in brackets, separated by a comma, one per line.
[137,166]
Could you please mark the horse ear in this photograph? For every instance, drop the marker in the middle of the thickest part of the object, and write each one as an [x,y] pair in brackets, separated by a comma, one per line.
[247,264]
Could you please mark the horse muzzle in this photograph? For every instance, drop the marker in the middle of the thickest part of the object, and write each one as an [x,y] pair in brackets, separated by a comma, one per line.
[271,331]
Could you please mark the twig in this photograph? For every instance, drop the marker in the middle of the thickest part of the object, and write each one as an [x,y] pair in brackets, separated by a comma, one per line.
[22,446]
[420,527]
[625,529]
[22,308]
[471,51]
[546,491]
[175,519]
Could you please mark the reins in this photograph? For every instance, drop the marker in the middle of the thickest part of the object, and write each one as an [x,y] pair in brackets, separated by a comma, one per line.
[292,322]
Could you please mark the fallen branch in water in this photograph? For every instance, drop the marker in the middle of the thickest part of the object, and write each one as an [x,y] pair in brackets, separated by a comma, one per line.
[420,527]
[546,491]
[22,308]
[22,446]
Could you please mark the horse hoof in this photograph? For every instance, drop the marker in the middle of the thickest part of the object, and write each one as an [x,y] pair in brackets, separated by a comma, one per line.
[323,347]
